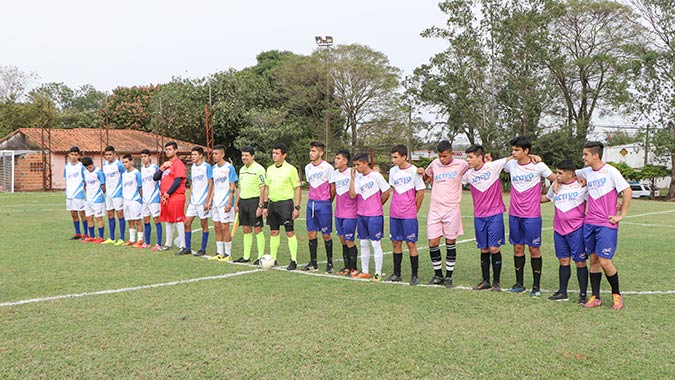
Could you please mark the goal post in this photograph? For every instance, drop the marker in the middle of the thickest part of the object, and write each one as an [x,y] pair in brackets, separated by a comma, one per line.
[7,171]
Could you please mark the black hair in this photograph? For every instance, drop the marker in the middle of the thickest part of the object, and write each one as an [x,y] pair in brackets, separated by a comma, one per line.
[475,149]
[344,153]
[74,149]
[522,142]
[567,165]
[109,148]
[171,143]
[86,161]
[145,151]
[198,149]
[318,144]
[249,150]
[363,157]
[281,146]
[128,157]
[595,147]
[400,149]
[444,146]
[219,147]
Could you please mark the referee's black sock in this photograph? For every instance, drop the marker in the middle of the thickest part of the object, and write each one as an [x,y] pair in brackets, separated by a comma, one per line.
[614,283]
[329,250]
[312,250]
[485,265]
[398,258]
[519,264]
[595,284]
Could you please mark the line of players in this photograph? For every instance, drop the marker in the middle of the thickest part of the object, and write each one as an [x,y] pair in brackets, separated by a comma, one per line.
[360,192]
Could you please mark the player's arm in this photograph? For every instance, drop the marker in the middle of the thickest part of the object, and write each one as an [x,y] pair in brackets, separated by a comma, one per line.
[332,191]
[425,177]
[544,199]
[209,195]
[626,197]
[230,196]
[297,200]
[419,198]
[352,186]
[385,196]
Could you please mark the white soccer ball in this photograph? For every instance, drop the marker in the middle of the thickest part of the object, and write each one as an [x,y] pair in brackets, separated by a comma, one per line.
[267,262]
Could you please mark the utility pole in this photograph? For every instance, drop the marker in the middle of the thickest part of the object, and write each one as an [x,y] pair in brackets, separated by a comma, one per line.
[326,42]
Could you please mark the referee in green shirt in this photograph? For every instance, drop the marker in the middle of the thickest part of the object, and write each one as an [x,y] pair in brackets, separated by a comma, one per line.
[281,202]
[248,206]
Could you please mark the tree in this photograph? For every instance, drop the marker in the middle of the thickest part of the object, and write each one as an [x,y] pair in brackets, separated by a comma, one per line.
[13,83]
[626,171]
[651,173]
[129,107]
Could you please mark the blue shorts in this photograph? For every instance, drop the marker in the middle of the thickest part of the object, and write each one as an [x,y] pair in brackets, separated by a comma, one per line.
[346,228]
[371,227]
[600,240]
[489,231]
[403,230]
[570,245]
[319,216]
[525,231]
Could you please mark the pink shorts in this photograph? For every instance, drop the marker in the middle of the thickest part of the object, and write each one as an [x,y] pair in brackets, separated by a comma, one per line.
[445,223]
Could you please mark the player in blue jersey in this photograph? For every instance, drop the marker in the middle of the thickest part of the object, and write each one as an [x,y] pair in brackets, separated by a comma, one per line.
[132,183]
[73,173]
[201,194]
[95,199]
[222,210]
[114,203]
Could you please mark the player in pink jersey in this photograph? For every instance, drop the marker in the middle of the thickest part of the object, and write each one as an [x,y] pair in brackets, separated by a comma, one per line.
[525,211]
[407,196]
[345,212]
[445,218]
[601,224]
[568,236]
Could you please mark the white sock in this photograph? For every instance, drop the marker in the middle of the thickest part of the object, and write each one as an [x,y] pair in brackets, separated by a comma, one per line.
[219,247]
[132,235]
[228,248]
[377,252]
[365,255]
[181,234]
[168,230]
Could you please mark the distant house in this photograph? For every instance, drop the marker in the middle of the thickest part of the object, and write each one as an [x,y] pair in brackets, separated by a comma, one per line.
[33,147]
[634,156]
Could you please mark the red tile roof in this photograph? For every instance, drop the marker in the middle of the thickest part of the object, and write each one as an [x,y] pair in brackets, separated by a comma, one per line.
[89,140]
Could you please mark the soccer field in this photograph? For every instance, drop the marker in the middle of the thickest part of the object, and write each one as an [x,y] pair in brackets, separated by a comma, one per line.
[126,313]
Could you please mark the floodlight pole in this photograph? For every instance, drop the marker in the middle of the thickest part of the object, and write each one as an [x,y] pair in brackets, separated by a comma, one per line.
[326,42]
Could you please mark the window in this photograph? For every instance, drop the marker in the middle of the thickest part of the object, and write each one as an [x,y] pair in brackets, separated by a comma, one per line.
[36,167]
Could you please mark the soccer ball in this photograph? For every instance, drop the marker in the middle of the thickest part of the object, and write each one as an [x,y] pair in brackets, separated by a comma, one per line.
[267,262]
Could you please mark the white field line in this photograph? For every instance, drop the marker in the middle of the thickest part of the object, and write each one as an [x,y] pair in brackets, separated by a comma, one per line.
[649,213]
[646,224]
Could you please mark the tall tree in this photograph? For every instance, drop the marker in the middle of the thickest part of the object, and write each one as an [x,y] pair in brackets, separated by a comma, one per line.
[14,83]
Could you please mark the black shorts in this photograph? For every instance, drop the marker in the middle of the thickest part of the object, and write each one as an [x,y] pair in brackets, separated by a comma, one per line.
[280,213]
[247,210]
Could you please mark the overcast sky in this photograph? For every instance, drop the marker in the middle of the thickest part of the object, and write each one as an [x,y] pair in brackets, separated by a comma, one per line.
[124,42]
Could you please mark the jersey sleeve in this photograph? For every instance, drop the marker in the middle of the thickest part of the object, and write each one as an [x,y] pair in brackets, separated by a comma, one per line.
[101,176]
[544,170]
[209,172]
[549,193]
[331,179]
[620,183]
[139,179]
[499,164]
[419,181]
[178,170]
[382,183]
[295,180]
[121,168]
[233,178]
[261,176]
[268,178]
[391,177]
[429,171]
[581,173]
[64,172]
[507,166]
[465,178]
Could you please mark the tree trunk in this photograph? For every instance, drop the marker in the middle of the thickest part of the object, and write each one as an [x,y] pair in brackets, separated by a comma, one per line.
[671,189]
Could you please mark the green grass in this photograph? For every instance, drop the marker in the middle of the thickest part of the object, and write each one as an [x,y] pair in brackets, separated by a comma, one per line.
[274,324]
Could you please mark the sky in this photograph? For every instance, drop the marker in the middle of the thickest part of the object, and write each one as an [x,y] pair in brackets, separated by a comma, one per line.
[124,43]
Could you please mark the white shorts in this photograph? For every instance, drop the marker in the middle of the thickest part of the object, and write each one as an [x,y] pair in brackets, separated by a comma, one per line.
[219,215]
[95,209]
[114,203]
[197,210]
[132,210]
[74,204]
[150,209]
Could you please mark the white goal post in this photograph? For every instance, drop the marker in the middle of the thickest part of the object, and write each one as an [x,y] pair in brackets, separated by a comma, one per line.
[7,171]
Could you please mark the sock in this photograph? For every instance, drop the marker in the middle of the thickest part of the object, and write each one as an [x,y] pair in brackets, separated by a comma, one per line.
[398,258]
[595,284]
[414,265]
[85,226]
[147,232]
[260,241]
[205,240]
[169,234]
[353,254]
[345,255]
[564,272]
[91,232]
[614,283]
[485,265]
[132,235]
[228,247]
[219,247]
[519,263]
[111,225]
[329,250]
[293,247]
[248,244]
[365,255]
[275,242]
[188,240]
[450,258]
[379,255]
[435,253]
[313,243]
[139,236]
[181,234]
[496,266]
[158,228]
[77,227]
[100,232]
[123,226]
[536,263]
[582,277]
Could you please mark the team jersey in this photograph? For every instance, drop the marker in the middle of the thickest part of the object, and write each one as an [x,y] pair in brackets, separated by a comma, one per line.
[150,186]
[251,179]
[570,206]
[199,178]
[405,182]
[604,186]
[223,176]
[74,175]
[486,188]
[113,178]
[94,180]
[369,189]
[526,187]
[345,206]
[446,187]
[318,177]
[131,182]
[176,170]
[282,182]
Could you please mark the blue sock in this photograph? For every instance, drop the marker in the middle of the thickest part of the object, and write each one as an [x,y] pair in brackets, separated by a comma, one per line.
[205,240]
[123,226]
[100,232]
[147,232]
[111,224]
[85,226]
[91,232]
[188,240]
[77,227]
[158,227]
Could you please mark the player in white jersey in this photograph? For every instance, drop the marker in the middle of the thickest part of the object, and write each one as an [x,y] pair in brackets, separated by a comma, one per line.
[151,197]
[201,193]
[95,199]
[73,173]
[114,203]
[132,187]
[222,210]
[345,212]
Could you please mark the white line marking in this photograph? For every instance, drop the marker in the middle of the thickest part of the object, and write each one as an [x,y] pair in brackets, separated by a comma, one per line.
[130,289]
[646,224]
[649,213]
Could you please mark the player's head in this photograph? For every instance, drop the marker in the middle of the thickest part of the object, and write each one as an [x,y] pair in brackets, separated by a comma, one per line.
[279,152]
[475,156]
[197,154]
[592,153]
[399,155]
[361,163]
[247,155]
[342,158]
[170,149]
[128,161]
[109,153]
[565,171]
[219,154]
[316,149]
[444,149]
[520,147]
[74,154]
[88,163]
[145,157]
